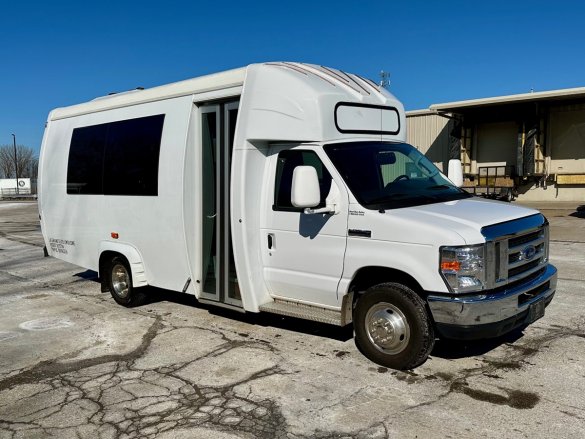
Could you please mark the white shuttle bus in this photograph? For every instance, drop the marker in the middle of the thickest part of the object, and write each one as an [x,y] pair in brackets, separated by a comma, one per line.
[288,188]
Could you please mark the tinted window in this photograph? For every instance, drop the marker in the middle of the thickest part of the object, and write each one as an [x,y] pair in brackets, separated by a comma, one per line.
[131,157]
[86,156]
[117,158]
[287,162]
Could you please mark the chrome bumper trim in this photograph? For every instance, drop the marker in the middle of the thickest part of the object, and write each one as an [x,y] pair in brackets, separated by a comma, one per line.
[488,307]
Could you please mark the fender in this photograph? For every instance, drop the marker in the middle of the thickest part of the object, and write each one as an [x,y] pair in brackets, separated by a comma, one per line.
[133,257]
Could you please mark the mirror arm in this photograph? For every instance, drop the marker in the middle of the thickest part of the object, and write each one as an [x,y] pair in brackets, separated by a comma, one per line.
[327,209]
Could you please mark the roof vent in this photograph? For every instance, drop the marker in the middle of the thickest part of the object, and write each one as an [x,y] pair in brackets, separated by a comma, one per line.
[113,93]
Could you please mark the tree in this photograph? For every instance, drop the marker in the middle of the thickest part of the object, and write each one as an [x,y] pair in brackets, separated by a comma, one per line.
[32,171]
[27,162]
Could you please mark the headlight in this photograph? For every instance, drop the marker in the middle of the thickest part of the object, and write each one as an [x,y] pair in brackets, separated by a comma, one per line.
[463,268]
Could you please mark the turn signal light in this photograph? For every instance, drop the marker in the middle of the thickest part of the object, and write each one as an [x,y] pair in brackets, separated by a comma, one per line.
[114,235]
[450,266]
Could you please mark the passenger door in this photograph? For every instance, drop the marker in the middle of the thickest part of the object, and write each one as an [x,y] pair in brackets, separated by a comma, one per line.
[218,125]
[302,253]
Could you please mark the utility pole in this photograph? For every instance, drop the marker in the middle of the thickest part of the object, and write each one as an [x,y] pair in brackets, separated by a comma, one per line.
[15,162]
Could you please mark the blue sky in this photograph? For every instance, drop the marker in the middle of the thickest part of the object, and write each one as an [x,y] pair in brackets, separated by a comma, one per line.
[60,53]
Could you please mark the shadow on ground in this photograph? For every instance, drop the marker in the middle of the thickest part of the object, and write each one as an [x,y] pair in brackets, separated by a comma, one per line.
[156,295]
[579,212]
[87,275]
[455,349]
[444,348]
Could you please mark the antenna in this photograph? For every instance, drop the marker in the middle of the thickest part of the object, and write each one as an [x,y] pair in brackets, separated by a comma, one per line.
[384,79]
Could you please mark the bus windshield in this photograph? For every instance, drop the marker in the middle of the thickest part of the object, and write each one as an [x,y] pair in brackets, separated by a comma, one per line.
[385,175]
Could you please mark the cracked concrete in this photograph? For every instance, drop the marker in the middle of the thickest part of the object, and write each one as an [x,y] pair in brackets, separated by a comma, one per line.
[75,364]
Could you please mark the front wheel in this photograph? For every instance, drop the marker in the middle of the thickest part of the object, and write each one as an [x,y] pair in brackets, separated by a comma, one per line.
[392,327]
[119,278]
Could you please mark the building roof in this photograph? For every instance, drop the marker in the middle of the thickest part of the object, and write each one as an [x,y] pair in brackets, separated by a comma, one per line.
[412,113]
[567,93]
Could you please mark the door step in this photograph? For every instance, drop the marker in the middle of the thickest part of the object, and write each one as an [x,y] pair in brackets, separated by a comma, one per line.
[221,304]
[303,311]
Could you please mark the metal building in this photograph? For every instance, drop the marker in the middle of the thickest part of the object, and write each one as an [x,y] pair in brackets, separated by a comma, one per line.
[530,145]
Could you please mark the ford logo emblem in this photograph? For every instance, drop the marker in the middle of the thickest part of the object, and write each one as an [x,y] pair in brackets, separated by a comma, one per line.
[528,252]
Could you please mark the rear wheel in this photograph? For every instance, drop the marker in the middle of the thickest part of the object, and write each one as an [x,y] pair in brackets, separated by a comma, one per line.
[392,326]
[119,278]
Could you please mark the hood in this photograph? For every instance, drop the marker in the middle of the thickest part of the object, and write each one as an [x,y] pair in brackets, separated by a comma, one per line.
[465,217]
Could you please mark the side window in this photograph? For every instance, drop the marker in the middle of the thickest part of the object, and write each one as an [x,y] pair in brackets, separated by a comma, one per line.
[286,164]
[131,157]
[86,160]
[116,158]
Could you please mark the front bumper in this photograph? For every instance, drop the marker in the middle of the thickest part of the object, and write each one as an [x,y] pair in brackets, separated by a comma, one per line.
[491,313]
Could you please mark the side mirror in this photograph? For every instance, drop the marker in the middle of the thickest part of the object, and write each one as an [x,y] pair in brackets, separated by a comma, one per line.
[305,187]
[455,173]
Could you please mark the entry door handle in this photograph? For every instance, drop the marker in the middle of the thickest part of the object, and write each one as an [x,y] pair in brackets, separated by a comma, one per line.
[270,241]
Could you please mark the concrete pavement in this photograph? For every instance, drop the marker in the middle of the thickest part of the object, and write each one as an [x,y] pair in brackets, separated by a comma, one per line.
[74,364]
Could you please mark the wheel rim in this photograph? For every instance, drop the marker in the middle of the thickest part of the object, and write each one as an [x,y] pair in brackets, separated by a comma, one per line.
[120,280]
[387,328]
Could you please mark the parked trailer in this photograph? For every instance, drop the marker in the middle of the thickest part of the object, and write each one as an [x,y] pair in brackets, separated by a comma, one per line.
[12,188]
[496,182]
[287,188]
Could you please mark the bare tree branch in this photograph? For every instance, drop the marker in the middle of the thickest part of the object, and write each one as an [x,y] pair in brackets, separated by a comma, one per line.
[6,162]
[27,162]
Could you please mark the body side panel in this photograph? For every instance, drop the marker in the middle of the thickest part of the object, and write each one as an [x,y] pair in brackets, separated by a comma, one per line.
[151,224]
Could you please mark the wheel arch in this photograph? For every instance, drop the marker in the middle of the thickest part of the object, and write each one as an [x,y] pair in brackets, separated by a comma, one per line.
[369,276]
[108,250]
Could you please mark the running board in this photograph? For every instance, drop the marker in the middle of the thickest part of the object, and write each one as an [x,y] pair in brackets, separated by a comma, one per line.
[303,311]
[221,304]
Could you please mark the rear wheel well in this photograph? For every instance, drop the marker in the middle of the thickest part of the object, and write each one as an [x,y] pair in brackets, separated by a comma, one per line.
[105,258]
[116,277]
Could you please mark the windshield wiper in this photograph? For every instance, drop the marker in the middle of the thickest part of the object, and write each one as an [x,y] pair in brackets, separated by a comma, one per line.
[439,186]
[389,197]
[401,197]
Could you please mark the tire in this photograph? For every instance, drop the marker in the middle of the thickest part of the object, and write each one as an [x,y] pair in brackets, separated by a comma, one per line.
[392,327]
[119,280]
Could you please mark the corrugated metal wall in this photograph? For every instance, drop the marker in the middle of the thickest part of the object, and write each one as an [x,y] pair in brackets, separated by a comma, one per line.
[429,133]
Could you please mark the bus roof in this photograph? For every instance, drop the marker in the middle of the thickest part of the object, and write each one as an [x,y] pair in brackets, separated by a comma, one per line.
[215,81]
